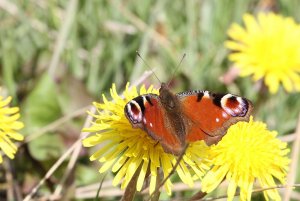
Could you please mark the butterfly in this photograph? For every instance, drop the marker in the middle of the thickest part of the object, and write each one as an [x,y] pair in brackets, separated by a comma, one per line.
[177,119]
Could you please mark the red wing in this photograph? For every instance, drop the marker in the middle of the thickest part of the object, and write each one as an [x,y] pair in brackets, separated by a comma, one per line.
[210,115]
[147,113]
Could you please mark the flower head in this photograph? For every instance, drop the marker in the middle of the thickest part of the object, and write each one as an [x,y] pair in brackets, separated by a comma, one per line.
[248,152]
[125,150]
[267,48]
[9,126]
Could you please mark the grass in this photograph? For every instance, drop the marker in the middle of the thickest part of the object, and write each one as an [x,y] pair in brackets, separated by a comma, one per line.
[57,57]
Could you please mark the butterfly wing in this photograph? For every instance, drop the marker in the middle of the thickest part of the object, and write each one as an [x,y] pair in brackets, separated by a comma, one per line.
[147,113]
[209,115]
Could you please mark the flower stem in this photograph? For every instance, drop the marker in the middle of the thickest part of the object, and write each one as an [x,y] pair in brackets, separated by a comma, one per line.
[170,174]
[131,187]
[198,196]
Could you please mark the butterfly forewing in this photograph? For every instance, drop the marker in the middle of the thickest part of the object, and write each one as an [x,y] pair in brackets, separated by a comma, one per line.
[147,113]
[210,115]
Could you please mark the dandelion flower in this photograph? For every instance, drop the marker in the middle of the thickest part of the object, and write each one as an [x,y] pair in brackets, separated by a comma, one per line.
[248,152]
[9,126]
[124,149]
[267,48]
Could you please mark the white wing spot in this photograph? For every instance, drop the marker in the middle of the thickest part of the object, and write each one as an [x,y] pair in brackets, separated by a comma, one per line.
[239,99]
[151,125]
[224,115]
[144,100]
[217,119]
[206,94]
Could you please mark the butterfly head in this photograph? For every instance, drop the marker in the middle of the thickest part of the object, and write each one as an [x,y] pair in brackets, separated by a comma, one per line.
[168,99]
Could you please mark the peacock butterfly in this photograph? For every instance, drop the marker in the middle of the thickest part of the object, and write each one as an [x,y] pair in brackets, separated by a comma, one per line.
[177,119]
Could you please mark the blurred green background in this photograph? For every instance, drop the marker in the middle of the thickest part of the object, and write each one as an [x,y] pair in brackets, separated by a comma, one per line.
[56,57]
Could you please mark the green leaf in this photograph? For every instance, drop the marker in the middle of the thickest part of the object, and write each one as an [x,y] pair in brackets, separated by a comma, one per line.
[9,63]
[86,175]
[41,108]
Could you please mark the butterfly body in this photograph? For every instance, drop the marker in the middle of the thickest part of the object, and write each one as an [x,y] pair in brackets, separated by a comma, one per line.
[177,119]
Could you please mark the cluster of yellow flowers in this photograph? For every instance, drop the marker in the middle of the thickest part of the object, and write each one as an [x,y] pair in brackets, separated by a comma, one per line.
[247,152]
[267,48]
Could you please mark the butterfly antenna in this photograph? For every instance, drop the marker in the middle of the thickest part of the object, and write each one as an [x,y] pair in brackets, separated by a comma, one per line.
[138,54]
[177,67]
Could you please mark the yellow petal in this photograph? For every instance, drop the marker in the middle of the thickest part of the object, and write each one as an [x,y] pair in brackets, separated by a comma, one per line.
[142,175]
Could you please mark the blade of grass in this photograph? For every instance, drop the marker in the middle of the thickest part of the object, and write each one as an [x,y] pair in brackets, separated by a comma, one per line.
[294,162]
[54,125]
[63,36]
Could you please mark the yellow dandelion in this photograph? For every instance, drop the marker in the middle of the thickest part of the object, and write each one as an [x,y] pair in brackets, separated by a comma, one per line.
[9,126]
[267,48]
[124,149]
[248,152]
